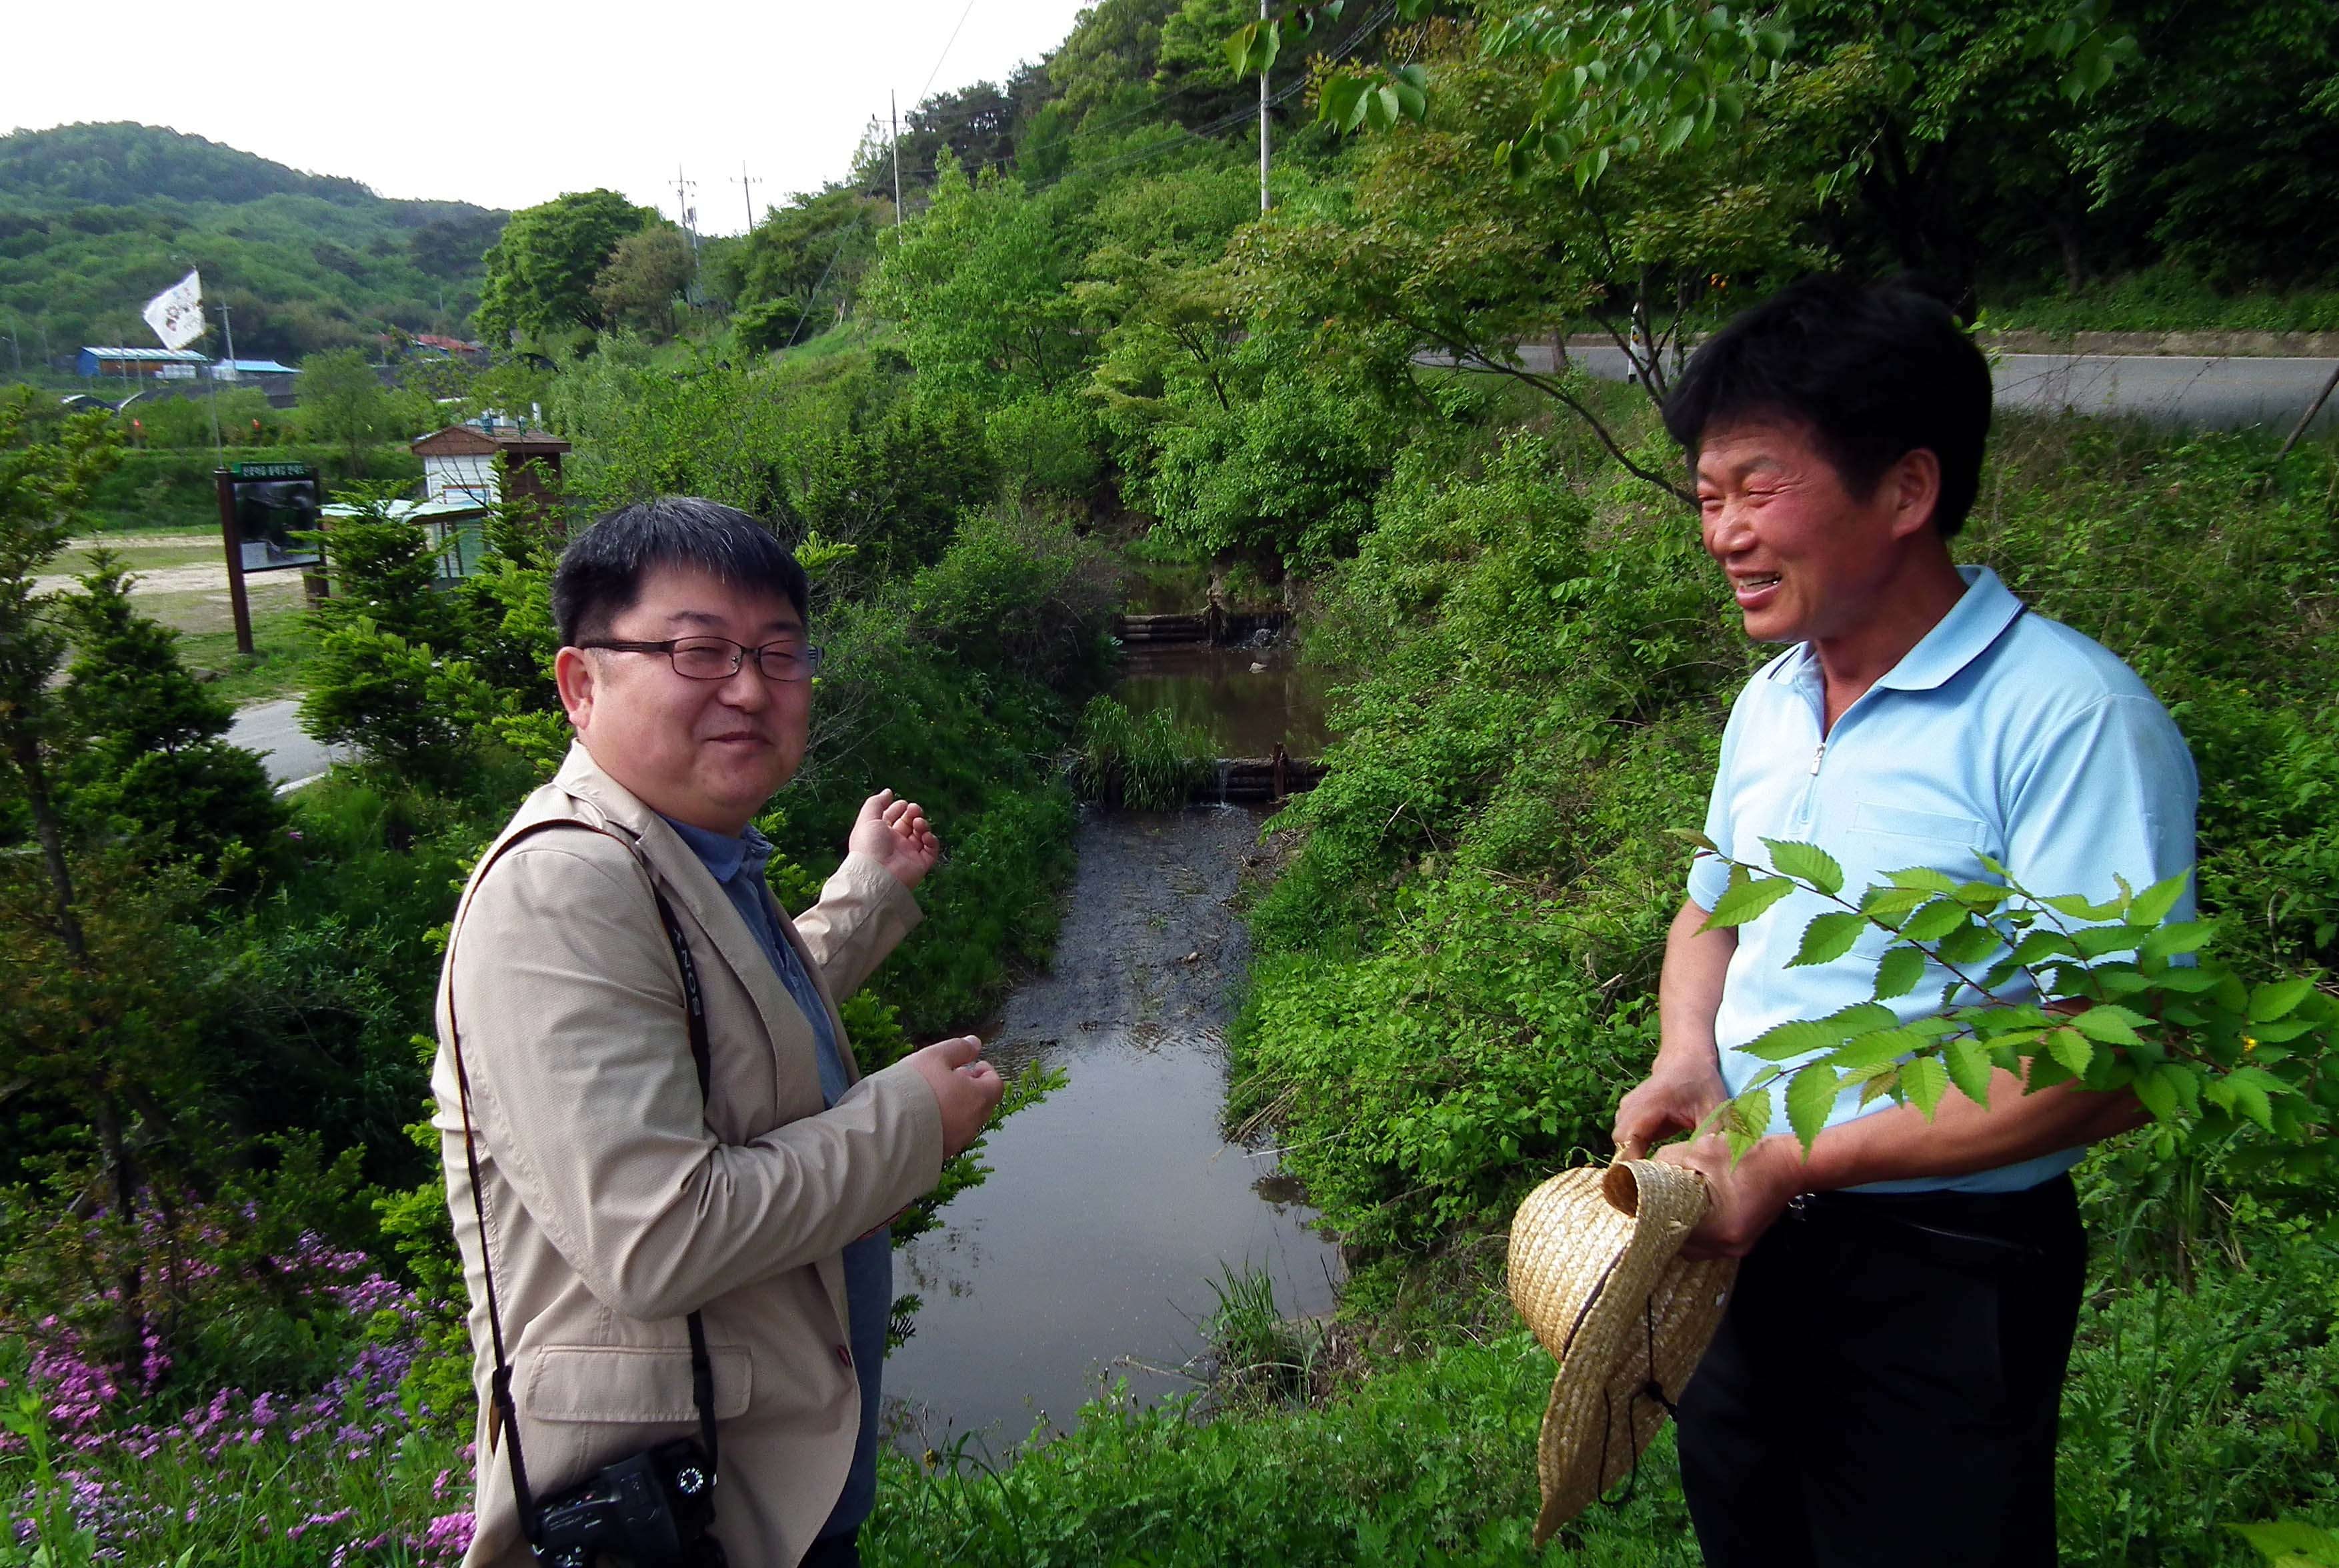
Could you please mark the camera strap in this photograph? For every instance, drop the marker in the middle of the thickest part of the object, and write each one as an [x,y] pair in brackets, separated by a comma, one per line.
[503,1412]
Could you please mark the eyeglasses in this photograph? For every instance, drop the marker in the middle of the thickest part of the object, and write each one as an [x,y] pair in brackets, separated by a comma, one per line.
[719,658]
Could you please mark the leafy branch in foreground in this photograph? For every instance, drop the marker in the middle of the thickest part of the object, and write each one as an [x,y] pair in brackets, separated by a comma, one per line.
[2111,998]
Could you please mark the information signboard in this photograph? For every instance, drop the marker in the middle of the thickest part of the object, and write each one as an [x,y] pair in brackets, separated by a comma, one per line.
[274,501]
[262,507]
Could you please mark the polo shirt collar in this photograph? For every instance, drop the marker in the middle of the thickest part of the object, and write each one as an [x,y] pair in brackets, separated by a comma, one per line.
[1985,609]
[721,853]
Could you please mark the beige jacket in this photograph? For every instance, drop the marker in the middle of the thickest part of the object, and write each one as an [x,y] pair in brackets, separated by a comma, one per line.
[616,1204]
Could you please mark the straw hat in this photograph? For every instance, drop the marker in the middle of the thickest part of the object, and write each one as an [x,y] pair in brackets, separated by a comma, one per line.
[1596,1270]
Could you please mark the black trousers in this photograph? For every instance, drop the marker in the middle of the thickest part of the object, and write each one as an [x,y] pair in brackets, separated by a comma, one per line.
[835,1551]
[1885,1387]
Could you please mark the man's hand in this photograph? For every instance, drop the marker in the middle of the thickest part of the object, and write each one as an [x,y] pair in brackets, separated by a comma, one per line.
[1746,1199]
[966,1087]
[1669,1101]
[894,833]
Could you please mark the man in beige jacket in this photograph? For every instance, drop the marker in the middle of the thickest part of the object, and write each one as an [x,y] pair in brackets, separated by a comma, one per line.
[617,1199]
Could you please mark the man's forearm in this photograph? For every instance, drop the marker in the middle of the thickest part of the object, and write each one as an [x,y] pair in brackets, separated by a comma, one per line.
[1961,1137]
[1689,993]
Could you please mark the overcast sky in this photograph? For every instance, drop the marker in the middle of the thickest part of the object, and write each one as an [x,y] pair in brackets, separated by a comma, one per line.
[512,106]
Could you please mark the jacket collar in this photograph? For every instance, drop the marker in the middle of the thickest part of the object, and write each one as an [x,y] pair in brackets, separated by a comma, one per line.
[693,884]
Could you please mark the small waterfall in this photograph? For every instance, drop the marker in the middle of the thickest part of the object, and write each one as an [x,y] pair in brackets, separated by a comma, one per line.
[1226,771]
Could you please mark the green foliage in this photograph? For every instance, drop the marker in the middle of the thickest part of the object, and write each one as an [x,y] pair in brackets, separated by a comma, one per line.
[151,760]
[977,287]
[410,710]
[1149,765]
[343,402]
[2206,1053]
[646,274]
[541,270]
[1426,1462]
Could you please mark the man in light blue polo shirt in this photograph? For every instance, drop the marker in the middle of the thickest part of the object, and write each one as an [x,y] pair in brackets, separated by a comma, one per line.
[1886,1385]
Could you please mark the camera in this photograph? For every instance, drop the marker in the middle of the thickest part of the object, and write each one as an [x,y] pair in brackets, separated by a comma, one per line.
[649,1511]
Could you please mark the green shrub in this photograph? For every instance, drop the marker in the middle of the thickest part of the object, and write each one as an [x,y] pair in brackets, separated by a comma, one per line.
[1149,765]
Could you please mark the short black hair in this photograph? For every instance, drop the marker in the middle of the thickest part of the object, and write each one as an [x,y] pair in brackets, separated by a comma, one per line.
[1875,370]
[601,573]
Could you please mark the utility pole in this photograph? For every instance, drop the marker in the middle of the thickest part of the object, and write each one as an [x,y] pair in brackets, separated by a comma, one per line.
[682,189]
[211,375]
[893,102]
[744,183]
[1262,122]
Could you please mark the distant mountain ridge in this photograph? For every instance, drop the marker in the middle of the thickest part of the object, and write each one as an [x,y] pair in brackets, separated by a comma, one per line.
[95,218]
[116,163]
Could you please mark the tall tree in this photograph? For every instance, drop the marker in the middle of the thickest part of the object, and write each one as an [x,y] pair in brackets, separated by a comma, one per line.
[540,270]
[646,274]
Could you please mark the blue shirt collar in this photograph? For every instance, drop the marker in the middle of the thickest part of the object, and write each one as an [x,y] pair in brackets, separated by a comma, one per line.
[1984,610]
[723,854]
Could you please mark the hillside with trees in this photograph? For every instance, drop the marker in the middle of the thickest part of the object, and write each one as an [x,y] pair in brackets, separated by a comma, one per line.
[96,219]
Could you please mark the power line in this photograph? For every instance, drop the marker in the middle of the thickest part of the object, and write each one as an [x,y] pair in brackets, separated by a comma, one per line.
[946,49]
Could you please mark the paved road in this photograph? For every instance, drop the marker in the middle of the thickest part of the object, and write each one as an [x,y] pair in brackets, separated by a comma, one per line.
[273,730]
[2166,388]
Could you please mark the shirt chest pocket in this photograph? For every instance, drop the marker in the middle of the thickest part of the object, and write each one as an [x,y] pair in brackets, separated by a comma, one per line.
[1889,838]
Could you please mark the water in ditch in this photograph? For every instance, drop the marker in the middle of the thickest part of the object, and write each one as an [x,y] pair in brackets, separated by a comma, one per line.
[1246,699]
[1088,1254]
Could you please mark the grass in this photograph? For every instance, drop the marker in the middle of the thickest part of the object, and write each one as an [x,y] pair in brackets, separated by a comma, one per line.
[2166,299]
[1149,765]
[282,645]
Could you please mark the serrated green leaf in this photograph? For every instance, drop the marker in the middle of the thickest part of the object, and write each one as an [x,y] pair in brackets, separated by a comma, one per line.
[1922,1080]
[1751,1111]
[1828,938]
[1785,1041]
[1981,897]
[1876,1048]
[1935,921]
[2068,1046]
[2277,998]
[1898,972]
[2109,1025]
[1743,901]
[1878,1083]
[2101,941]
[1924,878]
[1970,944]
[2079,908]
[1686,834]
[2245,1095]
[1809,861]
[1969,1065]
[2151,906]
[1810,1095]
[1886,901]
[2155,1093]
[2183,936]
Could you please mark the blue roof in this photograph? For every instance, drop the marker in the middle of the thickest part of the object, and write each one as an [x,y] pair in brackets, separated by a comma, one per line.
[259,367]
[151,356]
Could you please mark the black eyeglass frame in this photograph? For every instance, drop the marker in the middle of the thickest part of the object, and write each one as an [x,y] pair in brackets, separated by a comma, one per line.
[739,653]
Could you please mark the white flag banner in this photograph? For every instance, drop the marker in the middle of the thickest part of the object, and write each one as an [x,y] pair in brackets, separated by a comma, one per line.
[176,313]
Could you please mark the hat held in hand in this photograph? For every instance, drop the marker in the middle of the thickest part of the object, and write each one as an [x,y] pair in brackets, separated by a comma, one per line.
[1595,1269]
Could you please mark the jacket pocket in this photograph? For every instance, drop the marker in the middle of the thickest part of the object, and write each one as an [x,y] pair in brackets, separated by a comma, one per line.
[631,1385]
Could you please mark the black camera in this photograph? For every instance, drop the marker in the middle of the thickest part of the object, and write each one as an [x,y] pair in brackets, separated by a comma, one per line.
[651,1511]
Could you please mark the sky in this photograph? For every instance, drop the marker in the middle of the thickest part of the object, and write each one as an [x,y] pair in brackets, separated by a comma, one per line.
[507,105]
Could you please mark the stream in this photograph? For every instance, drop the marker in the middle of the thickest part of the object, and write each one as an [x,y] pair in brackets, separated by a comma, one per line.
[1113,1205]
